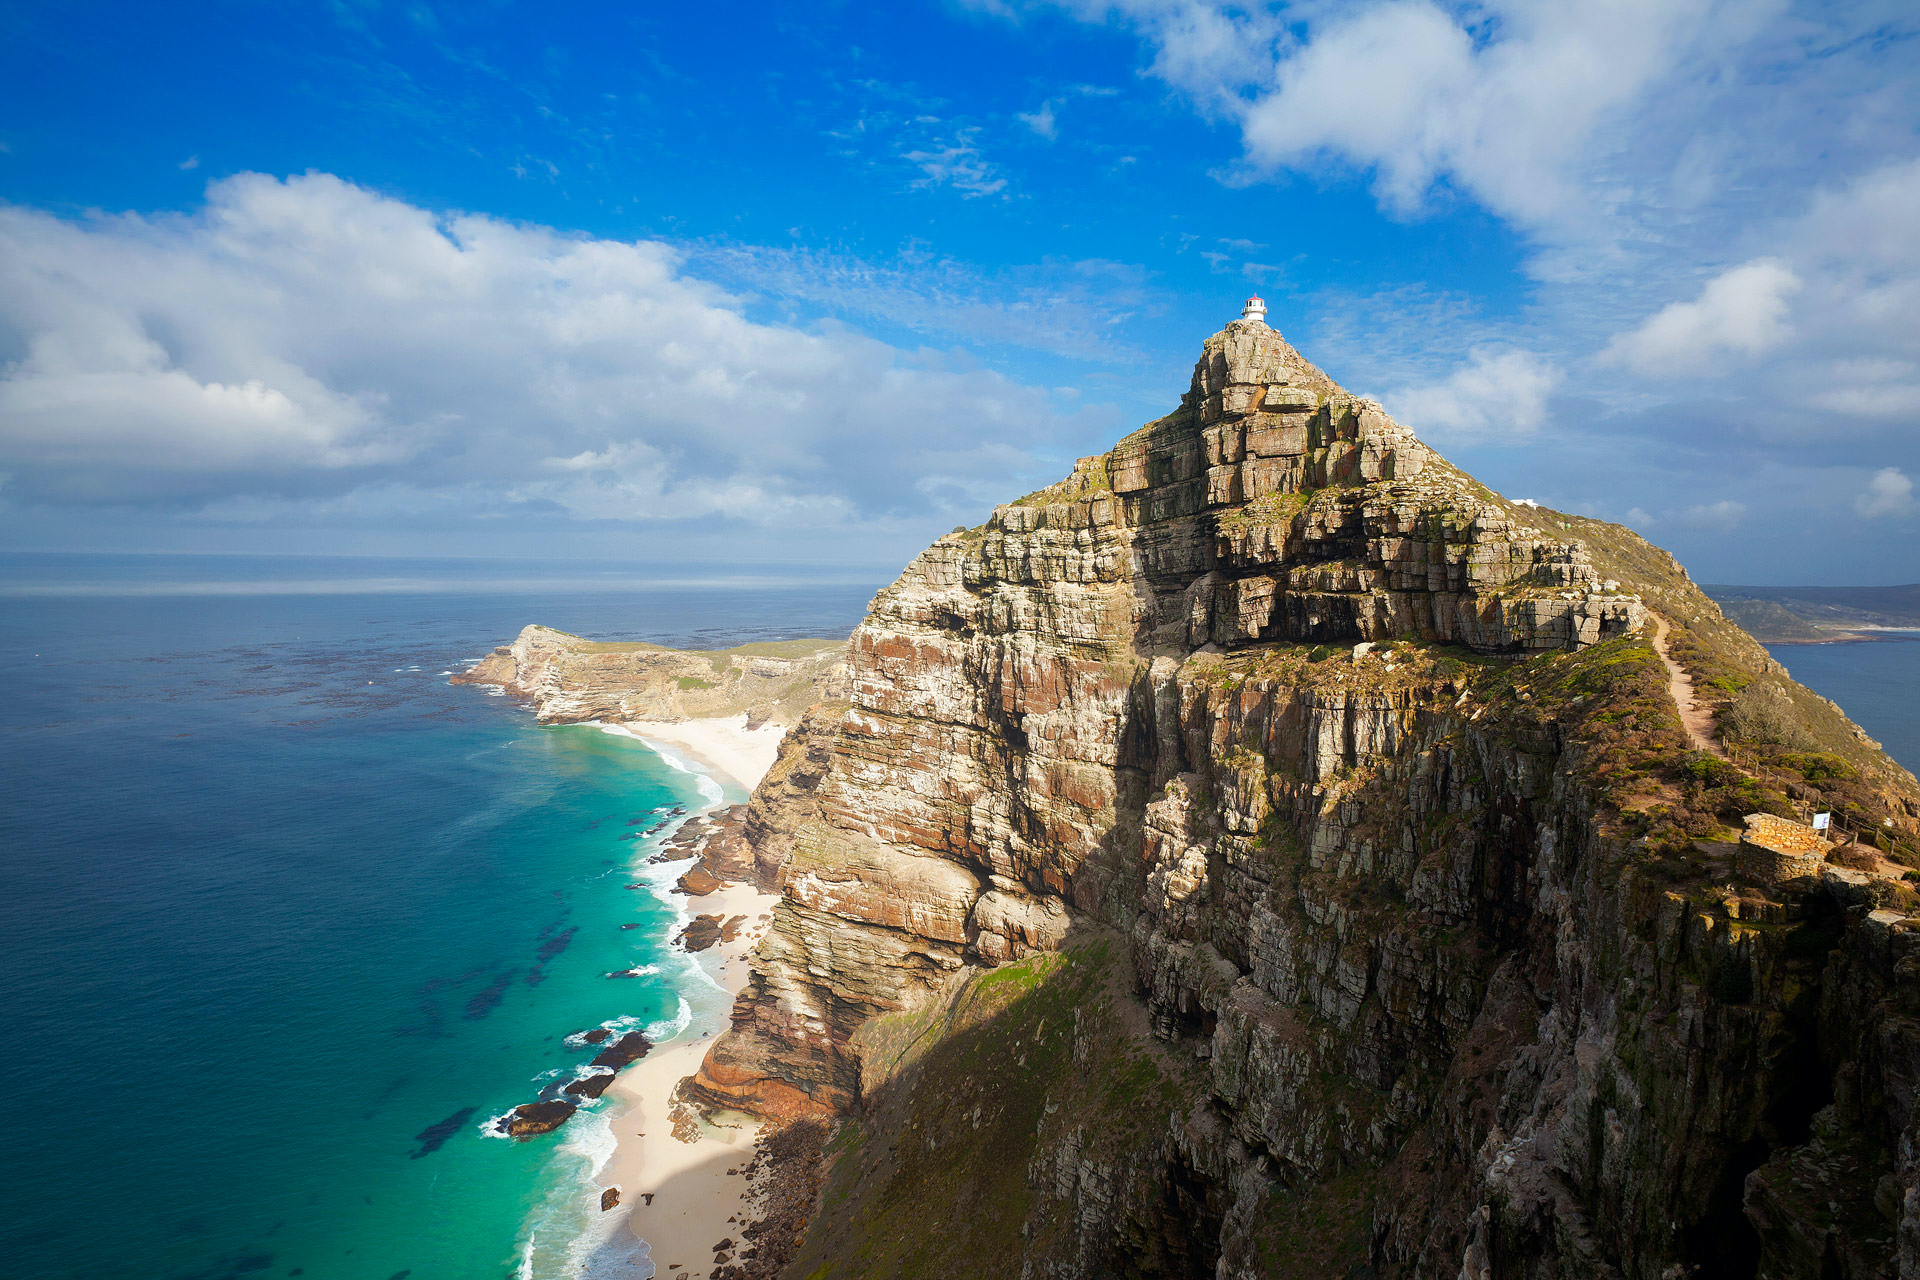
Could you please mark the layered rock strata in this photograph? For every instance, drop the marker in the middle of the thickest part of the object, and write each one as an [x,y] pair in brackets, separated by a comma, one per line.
[1373,775]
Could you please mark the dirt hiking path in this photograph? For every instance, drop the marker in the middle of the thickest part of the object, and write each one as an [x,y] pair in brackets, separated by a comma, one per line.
[1697,720]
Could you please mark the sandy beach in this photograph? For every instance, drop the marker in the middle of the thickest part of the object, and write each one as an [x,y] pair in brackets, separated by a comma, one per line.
[724,747]
[697,1200]
[697,1187]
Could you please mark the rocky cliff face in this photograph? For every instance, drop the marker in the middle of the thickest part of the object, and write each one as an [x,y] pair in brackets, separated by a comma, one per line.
[1269,852]
[570,679]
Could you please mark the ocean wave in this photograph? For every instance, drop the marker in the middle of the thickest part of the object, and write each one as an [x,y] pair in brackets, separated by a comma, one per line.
[568,1236]
[711,792]
[666,1029]
[638,971]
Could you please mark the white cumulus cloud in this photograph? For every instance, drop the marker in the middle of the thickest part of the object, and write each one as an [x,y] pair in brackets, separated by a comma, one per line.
[1504,100]
[1741,312]
[1888,493]
[305,340]
[1499,395]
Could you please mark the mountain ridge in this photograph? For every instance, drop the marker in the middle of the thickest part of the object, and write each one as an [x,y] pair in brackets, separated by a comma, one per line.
[1352,793]
[1270,852]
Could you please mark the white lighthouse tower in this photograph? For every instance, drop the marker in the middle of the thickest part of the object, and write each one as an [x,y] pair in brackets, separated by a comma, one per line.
[1255,311]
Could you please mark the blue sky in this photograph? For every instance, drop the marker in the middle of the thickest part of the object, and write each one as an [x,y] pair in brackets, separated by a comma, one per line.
[816,283]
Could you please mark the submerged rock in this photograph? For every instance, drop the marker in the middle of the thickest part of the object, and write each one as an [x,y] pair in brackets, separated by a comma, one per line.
[435,1135]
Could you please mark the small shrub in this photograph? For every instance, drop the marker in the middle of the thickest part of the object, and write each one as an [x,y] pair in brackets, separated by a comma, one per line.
[1815,766]
[1762,713]
[1704,767]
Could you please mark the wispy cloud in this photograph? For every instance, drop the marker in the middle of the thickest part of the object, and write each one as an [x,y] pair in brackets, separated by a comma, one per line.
[1066,308]
[1726,514]
[955,160]
[1042,120]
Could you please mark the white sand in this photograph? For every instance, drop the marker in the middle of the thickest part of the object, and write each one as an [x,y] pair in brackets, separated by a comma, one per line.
[693,1193]
[725,747]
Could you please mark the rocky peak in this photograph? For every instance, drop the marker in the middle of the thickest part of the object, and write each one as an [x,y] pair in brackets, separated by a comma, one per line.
[1274,505]
[1270,825]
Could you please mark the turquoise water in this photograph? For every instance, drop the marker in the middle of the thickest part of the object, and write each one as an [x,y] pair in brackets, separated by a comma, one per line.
[286,920]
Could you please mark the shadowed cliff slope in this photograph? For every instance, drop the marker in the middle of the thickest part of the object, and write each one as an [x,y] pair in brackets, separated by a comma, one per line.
[1269,852]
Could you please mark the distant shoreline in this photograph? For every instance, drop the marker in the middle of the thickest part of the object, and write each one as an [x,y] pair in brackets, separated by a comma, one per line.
[1858,635]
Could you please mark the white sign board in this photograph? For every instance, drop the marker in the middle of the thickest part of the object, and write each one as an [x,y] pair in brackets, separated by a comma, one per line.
[1821,821]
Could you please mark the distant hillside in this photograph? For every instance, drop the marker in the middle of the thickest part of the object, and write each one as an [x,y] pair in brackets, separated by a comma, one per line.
[1812,615]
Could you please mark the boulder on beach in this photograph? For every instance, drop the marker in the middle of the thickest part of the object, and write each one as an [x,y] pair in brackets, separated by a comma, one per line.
[609,1198]
[698,882]
[532,1118]
[593,1035]
[701,932]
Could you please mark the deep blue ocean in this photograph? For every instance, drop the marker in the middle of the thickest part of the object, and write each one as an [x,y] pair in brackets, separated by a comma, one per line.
[1878,684]
[285,919]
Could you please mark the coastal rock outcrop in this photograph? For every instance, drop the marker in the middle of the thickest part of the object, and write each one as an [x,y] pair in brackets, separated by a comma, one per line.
[530,1119]
[570,679]
[1270,852]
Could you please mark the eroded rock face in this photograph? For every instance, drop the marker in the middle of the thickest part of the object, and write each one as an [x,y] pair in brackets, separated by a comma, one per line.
[1369,895]
[998,692]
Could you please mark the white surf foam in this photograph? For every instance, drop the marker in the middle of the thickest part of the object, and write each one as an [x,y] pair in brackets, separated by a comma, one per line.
[663,1031]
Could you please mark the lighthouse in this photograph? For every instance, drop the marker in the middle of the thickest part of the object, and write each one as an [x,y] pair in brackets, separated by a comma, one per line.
[1255,311]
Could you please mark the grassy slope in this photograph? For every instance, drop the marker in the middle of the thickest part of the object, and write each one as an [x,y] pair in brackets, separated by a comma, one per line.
[932,1180]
